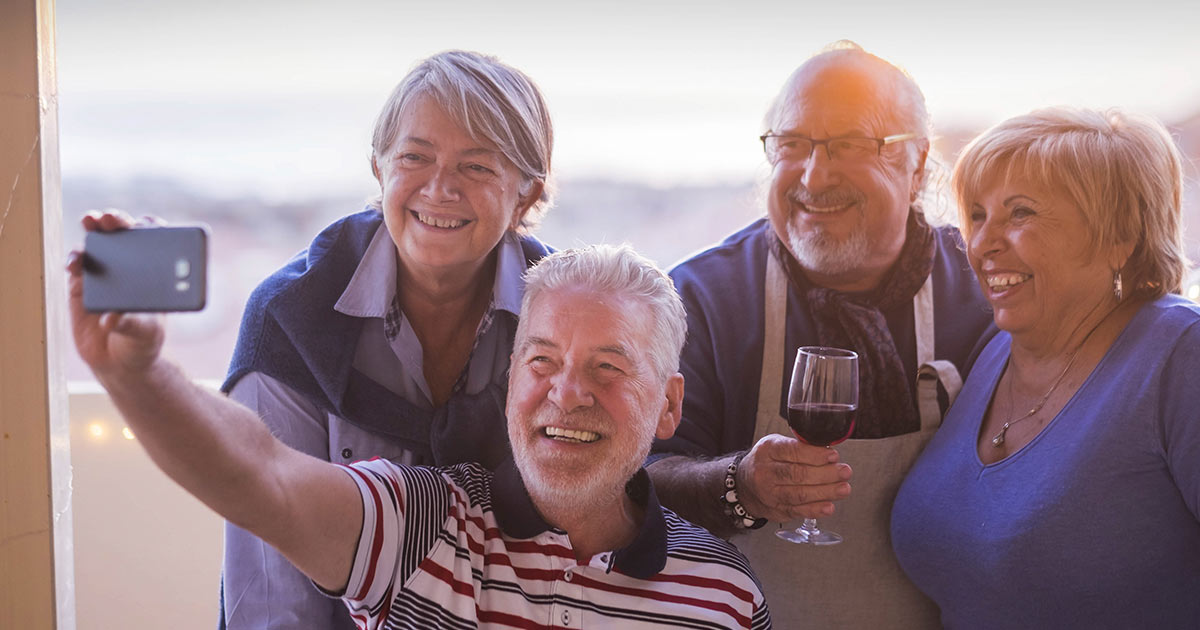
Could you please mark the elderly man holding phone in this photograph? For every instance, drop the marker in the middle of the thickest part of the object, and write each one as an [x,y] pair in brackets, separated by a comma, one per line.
[567,534]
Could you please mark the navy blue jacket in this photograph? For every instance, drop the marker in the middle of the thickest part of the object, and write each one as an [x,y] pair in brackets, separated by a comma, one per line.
[722,291]
[291,332]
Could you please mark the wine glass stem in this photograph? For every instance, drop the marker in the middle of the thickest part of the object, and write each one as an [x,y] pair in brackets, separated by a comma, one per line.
[810,526]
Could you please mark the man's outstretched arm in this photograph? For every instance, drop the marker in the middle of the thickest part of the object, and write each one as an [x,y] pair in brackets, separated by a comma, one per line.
[216,449]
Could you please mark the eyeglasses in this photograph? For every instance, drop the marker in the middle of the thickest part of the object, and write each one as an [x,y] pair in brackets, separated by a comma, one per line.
[797,148]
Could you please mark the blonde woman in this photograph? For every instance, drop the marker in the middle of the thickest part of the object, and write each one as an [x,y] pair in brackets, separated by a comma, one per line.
[1063,489]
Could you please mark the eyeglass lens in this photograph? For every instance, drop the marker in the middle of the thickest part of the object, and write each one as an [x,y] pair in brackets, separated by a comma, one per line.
[797,148]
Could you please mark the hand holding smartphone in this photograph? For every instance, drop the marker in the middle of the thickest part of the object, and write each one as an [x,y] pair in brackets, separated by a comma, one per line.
[145,269]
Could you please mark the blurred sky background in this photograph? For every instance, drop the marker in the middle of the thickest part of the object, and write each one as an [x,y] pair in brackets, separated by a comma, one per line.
[276,98]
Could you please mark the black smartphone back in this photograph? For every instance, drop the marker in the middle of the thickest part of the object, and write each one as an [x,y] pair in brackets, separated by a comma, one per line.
[148,269]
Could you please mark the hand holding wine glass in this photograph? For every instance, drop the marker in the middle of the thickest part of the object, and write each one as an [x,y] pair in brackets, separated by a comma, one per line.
[822,402]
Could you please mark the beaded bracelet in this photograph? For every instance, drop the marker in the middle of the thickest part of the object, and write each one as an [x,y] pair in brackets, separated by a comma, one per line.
[732,505]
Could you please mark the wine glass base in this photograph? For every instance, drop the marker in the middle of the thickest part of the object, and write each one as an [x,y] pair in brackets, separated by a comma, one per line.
[802,536]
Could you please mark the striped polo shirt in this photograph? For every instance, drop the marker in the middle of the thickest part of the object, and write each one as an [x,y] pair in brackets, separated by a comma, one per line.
[461,547]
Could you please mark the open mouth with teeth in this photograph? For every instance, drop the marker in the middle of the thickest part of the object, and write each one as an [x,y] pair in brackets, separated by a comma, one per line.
[825,209]
[1000,282]
[822,208]
[571,435]
[437,222]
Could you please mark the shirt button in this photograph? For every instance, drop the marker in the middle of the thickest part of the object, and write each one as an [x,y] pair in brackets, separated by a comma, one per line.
[567,575]
[566,617]
[346,453]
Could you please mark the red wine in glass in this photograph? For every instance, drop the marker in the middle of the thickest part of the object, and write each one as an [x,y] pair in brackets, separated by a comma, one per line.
[822,424]
[822,403]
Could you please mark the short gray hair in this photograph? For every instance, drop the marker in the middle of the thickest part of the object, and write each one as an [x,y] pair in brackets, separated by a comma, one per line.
[616,270]
[1122,171]
[494,103]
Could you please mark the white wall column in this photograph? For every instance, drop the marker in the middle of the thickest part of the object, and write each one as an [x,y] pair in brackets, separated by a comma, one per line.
[37,583]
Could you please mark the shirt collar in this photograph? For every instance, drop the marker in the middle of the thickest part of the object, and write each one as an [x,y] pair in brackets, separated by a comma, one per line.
[363,296]
[643,558]
[373,286]
[509,286]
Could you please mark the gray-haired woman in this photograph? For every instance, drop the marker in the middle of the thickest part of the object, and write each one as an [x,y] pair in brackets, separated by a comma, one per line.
[390,335]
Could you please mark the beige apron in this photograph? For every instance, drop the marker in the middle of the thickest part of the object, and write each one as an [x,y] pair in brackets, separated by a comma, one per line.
[858,583]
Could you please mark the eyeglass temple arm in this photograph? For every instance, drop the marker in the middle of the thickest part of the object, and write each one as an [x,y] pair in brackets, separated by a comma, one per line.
[900,137]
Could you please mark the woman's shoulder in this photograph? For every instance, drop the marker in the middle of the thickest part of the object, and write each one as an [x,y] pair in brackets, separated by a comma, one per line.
[352,232]
[339,247]
[1175,308]
[533,248]
[1168,318]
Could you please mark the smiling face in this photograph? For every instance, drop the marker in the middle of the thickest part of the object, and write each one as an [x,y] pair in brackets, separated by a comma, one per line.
[584,400]
[1036,259]
[843,221]
[447,199]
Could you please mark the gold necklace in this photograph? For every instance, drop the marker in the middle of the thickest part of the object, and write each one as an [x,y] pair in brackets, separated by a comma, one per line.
[998,439]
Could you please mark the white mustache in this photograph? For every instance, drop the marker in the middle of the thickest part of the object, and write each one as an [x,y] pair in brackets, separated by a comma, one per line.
[836,198]
[590,419]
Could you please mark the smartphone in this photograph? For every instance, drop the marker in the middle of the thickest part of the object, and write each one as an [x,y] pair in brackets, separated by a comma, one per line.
[146,269]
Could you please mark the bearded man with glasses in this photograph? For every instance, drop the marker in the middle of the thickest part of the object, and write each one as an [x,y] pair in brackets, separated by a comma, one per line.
[845,257]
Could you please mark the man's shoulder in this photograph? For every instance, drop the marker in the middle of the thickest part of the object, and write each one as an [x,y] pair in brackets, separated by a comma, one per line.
[469,481]
[339,245]
[745,241]
[950,242]
[730,265]
[952,271]
[688,541]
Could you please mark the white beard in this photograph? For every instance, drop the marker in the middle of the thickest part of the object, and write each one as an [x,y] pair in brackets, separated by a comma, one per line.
[589,491]
[817,251]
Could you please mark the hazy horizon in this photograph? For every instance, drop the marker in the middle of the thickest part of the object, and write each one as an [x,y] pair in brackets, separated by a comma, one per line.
[278,98]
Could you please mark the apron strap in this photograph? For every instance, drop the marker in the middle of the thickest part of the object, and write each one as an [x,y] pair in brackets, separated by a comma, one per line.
[931,371]
[929,375]
[774,326]
[923,321]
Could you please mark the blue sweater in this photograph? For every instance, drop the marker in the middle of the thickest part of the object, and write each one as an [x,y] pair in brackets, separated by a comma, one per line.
[1093,524]
[722,290]
[291,332]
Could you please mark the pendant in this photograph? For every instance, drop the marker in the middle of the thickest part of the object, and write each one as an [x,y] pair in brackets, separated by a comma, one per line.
[998,441]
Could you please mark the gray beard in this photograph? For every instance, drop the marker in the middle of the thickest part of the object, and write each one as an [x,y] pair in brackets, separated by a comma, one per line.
[589,493]
[817,251]
[584,496]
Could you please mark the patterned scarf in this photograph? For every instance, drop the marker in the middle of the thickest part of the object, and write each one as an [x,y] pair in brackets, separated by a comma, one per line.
[855,321]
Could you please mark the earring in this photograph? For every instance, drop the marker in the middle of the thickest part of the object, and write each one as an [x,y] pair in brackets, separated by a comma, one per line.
[1117,284]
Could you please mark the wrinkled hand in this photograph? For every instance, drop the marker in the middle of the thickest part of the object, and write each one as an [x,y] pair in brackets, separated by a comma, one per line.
[110,343]
[782,479]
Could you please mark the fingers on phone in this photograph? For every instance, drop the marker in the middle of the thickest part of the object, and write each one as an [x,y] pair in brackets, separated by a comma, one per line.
[106,220]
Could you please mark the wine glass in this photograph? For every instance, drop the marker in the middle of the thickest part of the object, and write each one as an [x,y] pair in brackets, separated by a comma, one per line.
[822,402]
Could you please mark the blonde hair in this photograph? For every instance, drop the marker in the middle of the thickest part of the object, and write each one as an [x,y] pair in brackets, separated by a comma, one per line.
[1123,172]
[495,104]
